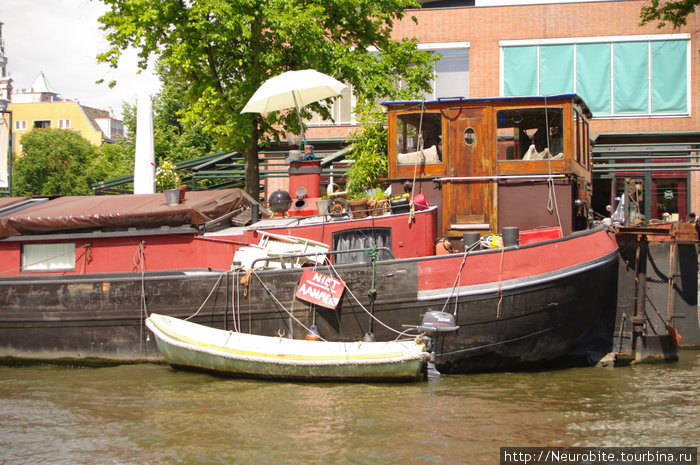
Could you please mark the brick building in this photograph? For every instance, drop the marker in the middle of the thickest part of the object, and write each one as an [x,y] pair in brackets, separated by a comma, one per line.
[641,83]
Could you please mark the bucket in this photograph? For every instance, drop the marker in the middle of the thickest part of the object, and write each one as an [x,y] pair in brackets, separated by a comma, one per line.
[420,202]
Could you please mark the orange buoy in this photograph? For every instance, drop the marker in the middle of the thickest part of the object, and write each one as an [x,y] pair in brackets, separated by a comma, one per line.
[313,335]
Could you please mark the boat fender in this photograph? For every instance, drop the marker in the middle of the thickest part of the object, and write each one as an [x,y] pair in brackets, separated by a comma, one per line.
[443,246]
[313,335]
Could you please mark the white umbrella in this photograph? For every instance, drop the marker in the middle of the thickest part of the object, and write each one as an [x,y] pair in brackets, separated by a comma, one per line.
[293,89]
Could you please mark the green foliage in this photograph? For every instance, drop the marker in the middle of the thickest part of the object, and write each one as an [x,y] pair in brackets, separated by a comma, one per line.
[674,12]
[112,161]
[54,162]
[368,150]
[221,51]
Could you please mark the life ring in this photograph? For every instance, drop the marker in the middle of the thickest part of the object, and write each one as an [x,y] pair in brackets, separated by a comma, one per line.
[333,191]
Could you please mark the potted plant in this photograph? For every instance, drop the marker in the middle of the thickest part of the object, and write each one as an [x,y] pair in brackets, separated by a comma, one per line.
[368,152]
[168,182]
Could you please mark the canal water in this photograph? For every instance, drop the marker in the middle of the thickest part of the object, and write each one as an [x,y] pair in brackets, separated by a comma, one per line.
[152,414]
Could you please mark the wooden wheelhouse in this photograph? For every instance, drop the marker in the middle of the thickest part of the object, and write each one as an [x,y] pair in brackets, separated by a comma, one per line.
[490,163]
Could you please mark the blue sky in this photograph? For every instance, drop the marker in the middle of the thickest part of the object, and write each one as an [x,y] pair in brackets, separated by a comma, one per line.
[62,39]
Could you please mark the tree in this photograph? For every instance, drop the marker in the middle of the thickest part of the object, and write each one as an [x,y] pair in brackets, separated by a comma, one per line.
[54,162]
[663,11]
[223,50]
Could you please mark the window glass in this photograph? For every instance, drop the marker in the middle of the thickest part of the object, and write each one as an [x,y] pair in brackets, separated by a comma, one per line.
[530,134]
[630,77]
[556,69]
[362,238]
[407,141]
[668,76]
[48,257]
[452,74]
[520,70]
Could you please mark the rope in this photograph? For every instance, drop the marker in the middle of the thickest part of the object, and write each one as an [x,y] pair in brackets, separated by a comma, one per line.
[500,283]
[279,304]
[400,333]
[138,263]
[552,204]
[412,207]
[207,299]
[458,279]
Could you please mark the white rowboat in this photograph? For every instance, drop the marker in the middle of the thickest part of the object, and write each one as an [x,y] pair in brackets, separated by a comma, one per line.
[189,345]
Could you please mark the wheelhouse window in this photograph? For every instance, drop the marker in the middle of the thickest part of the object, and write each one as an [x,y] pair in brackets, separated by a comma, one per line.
[530,134]
[423,150]
[58,256]
[363,239]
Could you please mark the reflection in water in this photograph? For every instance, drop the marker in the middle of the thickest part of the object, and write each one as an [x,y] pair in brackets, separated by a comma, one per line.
[151,414]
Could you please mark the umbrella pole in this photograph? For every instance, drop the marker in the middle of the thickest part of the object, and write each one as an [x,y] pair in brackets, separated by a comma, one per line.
[301,124]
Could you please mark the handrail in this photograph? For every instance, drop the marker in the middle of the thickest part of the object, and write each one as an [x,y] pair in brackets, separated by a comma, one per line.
[330,252]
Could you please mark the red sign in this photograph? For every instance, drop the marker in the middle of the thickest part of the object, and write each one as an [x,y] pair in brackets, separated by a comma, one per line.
[320,289]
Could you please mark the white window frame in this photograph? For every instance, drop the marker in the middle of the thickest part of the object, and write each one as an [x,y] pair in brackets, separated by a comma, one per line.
[606,39]
[20,125]
[63,124]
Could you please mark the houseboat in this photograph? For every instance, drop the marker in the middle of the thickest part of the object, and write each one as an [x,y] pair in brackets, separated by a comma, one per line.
[487,223]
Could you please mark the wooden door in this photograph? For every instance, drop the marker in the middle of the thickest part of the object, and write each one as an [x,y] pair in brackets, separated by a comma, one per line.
[468,200]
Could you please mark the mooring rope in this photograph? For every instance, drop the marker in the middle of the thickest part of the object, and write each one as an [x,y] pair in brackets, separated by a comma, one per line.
[216,284]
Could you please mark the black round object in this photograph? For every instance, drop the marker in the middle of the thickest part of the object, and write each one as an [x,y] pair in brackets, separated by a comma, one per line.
[280,201]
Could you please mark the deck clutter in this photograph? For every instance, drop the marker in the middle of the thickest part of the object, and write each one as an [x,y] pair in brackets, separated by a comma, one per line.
[491,228]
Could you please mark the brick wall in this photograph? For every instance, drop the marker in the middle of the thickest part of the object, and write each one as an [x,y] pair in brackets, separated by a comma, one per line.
[484,27]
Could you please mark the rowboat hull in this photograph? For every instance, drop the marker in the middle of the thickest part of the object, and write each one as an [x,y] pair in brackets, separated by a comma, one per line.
[192,346]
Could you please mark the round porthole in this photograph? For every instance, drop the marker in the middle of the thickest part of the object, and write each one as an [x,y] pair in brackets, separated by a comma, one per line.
[469,136]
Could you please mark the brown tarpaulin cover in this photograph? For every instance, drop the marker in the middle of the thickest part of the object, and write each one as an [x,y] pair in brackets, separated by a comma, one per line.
[7,201]
[121,211]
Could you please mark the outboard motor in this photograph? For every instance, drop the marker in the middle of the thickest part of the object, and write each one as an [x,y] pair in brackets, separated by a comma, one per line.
[435,324]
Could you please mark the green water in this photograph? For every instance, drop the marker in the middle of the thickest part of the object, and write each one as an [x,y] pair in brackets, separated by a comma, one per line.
[151,414]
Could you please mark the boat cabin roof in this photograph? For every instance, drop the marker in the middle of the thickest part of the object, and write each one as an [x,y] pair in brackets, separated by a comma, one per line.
[514,100]
[104,212]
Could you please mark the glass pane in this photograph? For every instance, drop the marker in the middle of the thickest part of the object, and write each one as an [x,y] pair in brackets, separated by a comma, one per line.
[556,69]
[452,74]
[631,77]
[354,239]
[522,134]
[407,149]
[669,85]
[520,70]
[48,257]
[593,76]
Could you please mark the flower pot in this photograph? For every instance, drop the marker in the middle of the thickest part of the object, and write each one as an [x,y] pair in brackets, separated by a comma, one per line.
[358,207]
[378,207]
[322,206]
[172,196]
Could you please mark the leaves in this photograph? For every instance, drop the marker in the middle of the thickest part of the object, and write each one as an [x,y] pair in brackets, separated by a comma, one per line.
[675,13]
[54,162]
[368,150]
[221,51]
